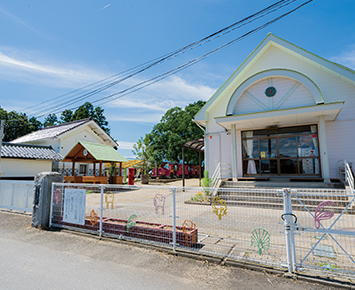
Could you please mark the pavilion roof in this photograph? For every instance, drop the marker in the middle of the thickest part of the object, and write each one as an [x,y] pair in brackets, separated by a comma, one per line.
[92,153]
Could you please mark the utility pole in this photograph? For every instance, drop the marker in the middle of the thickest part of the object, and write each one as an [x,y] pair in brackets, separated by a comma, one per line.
[1,137]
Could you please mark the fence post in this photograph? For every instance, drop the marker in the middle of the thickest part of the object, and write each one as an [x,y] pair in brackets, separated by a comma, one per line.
[287,218]
[51,208]
[292,232]
[174,220]
[101,208]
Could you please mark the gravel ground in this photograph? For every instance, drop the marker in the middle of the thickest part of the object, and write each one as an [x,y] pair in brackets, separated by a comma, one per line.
[58,260]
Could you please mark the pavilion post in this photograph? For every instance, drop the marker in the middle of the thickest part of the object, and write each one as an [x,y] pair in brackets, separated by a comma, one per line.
[100,168]
[120,169]
[94,169]
[73,169]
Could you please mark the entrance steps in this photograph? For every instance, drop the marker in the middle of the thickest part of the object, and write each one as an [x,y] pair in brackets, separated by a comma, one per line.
[274,200]
[281,183]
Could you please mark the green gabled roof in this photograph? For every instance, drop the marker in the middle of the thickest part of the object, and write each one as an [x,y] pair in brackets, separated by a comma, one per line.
[103,152]
[340,70]
[96,152]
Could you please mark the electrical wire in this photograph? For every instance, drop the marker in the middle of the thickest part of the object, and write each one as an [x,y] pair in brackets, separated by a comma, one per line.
[155,79]
[102,85]
[162,76]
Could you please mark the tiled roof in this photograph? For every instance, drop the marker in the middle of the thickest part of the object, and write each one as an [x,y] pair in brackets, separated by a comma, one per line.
[27,151]
[50,132]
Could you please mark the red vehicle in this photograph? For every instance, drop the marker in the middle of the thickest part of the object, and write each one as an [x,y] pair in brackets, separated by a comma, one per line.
[159,172]
[195,170]
[179,171]
[170,170]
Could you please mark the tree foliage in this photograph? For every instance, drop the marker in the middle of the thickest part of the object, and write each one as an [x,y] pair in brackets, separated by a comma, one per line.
[174,129]
[66,116]
[86,110]
[50,120]
[142,150]
[17,124]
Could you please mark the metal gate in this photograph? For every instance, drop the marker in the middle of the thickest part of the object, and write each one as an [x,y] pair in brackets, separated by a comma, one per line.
[317,235]
[320,231]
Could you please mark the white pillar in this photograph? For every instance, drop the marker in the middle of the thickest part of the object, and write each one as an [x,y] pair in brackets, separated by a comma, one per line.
[234,154]
[323,152]
[206,155]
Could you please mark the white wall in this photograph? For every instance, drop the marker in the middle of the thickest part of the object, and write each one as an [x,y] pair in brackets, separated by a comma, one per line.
[340,143]
[13,167]
[214,155]
[68,141]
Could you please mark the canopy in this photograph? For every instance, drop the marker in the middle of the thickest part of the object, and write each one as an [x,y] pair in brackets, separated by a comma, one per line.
[197,144]
[87,152]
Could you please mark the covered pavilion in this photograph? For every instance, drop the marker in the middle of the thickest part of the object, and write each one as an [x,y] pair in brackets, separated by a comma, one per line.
[86,152]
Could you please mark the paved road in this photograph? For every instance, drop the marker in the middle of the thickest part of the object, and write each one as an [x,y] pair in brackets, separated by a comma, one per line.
[36,259]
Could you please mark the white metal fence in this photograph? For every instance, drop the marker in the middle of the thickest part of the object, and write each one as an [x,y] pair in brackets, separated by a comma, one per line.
[324,233]
[242,224]
[16,195]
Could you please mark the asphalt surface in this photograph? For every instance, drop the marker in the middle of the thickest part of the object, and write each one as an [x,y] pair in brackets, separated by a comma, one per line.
[36,259]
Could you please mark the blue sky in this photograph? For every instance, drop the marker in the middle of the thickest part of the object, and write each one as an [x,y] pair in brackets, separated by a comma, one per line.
[49,48]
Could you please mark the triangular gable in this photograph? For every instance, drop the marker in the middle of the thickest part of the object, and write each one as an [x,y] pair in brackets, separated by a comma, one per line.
[97,130]
[60,131]
[91,152]
[228,88]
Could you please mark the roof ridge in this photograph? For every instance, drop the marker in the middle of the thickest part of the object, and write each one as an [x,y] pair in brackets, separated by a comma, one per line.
[68,123]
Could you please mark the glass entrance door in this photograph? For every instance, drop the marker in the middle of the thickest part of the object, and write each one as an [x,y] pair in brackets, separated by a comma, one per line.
[281,151]
[268,156]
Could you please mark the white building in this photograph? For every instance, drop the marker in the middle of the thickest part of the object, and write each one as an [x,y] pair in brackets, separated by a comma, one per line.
[284,112]
[24,161]
[62,138]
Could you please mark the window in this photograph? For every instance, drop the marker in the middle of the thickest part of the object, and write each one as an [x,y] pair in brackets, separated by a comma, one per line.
[82,169]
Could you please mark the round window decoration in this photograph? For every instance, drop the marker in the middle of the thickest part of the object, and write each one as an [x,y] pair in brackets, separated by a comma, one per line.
[85,152]
[270,92]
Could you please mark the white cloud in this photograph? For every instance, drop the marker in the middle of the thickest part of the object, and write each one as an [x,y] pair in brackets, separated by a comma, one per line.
[144,106]
[151,105]
[151,118]
[19,21]
[20,67]
[346,58]
[126,145]
[105,6]
[166,94]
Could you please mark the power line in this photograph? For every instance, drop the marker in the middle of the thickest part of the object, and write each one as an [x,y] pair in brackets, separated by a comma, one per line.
[155,79]
[102,85]
[162,76]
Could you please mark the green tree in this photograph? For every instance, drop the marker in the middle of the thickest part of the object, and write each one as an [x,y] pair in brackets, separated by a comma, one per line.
[17,124]
[174,129]
[50,120]
[141,150]
[84,111]
[100,119]
[66,116]
[87,110]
